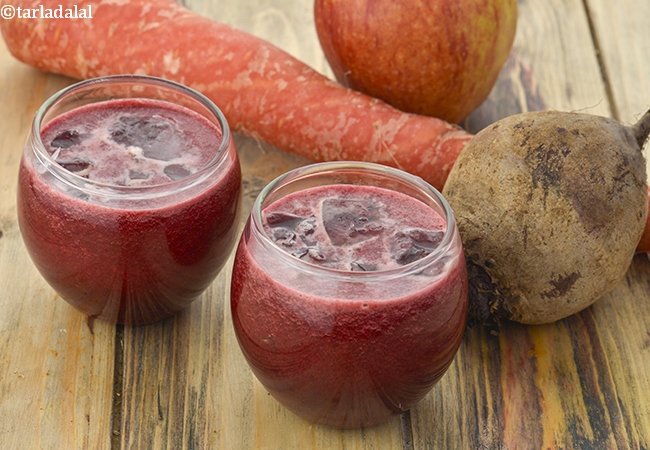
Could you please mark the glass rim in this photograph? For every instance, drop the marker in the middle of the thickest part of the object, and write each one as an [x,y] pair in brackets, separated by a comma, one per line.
[443,248]
[122,191]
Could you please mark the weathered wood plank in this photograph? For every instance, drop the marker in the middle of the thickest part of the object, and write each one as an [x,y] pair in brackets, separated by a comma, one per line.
[56,372]
[579,383]
[186,384]
[623,37]
[288,24]
[552,65]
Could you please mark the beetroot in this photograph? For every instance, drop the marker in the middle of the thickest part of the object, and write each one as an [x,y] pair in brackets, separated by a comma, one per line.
[550,208]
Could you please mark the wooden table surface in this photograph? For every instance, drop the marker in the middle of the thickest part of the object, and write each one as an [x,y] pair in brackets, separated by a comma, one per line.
[580,383]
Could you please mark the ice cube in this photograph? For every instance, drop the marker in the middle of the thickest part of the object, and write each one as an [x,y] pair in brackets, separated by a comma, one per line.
[315,254]
[300,252]
[137,175]
[156,135]
[307,241]
[413,244]
[284,237]
[361,266]
[307,226]
[78,166]
[292,231]
[427,239]
[66,139]
[350,221]
[284,220]
[309,253]
[176,172]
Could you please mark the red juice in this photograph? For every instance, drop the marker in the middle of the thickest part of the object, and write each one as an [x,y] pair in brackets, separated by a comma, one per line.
[155,222]
[349,302]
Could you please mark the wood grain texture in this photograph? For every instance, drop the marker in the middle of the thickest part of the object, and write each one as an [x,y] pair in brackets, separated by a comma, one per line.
[623,39]
[581,383]
[186,384]
[622,36]
[289,24]
[553,65]
[56,371]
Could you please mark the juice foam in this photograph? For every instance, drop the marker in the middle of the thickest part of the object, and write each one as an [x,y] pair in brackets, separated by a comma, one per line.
[354,228]
[132,142]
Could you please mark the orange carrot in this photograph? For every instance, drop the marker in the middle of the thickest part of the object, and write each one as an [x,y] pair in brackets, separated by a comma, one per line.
[264,92]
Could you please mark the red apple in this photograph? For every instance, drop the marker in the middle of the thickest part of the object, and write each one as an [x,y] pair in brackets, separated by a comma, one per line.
[434,57]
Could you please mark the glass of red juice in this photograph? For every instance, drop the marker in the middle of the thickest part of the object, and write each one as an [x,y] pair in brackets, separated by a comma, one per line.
[129,196]
[349,291]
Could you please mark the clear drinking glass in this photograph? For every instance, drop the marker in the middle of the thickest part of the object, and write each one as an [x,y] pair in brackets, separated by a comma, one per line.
[141,243]
[353,345]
